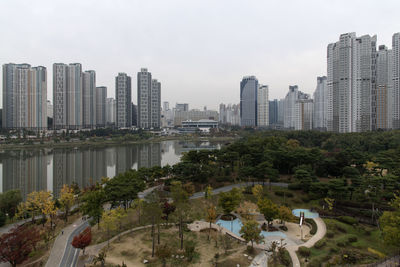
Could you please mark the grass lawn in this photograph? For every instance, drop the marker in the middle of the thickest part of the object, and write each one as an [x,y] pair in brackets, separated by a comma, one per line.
[135,247]
[347,244]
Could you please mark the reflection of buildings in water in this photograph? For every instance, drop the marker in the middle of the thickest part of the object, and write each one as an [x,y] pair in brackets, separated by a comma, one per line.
[110,156]
[25,170]
[149,155]
[124,157]
[82,167]
[165,146]
[181,147]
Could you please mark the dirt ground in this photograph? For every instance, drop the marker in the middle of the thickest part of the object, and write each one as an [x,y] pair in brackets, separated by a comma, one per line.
[135,247]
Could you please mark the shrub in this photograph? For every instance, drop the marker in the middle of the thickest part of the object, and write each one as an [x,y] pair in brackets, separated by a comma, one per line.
[320,243]
[190,250]
[330,234]
[340,228]
[284,257]
[304,251]
[348,220]
[352,239]
[314,227]
[305,199]
[279,193]
[3,218]
[334,250]
[295,186]
[315,263]
[342,242]
[289,194]
[283,228]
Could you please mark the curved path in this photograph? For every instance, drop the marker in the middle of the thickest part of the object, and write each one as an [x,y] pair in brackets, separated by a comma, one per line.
[321,231]
[63,254]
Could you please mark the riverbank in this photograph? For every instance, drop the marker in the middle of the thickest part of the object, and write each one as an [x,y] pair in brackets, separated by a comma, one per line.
[98,141]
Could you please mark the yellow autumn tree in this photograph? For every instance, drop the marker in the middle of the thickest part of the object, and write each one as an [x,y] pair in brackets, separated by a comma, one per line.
[257,191]
[37,203]
[67,200]
[247,210]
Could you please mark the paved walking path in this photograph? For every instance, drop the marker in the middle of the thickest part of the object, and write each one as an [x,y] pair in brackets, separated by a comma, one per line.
[60,244]
[321,231]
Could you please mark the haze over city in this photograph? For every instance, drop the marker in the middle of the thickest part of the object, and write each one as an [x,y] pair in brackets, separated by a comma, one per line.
[197,49]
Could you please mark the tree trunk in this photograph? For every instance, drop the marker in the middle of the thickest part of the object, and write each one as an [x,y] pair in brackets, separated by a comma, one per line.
[181,234]
[152,235]
[209,232]
[158,233]
[98,222]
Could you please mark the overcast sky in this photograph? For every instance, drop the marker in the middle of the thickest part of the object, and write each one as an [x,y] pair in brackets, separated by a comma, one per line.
[198,49]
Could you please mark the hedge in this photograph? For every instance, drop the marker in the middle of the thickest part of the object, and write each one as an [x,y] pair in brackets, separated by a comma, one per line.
[314,226]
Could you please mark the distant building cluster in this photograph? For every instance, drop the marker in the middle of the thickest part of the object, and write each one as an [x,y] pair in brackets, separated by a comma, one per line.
[361,92]
[77,102]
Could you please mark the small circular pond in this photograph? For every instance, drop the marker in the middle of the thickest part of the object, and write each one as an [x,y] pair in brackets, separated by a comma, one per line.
[307,213]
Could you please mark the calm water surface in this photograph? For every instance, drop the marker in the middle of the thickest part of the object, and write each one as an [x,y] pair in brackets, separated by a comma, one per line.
[49,169]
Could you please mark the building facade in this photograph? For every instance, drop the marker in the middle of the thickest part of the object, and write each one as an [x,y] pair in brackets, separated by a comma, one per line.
[123,101]
[262,106]
[24,97]
[89,99]
[149,100]
[351,83]
[321,99]
[101,96]
[248,101]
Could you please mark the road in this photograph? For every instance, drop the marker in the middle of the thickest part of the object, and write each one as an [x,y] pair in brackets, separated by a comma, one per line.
[230,187]
[71,254]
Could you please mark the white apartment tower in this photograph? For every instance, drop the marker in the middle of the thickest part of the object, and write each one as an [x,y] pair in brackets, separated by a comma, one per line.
[396,81]
[321,100]
[101,95]
[123,95]
[262,106]
[351,83]
[149,100]
[24,96]
[384,88]
[89,99]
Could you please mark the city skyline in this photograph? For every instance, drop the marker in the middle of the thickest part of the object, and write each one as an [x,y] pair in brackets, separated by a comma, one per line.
[183,48]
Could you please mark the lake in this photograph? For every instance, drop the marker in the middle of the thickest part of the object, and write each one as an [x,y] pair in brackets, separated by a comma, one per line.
[49,169]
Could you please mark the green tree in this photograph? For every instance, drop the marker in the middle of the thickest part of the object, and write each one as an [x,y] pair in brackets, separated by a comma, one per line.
[229,201]
[390,224]
[9,202]
[93,204]
[180,197]
[251,232]
[268,209]
[285,214]
[124,188]
[153,213]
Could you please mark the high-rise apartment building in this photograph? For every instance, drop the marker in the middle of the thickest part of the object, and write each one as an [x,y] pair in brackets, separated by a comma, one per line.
[155,107]
[74,96]
[149,100]
[351,83]
[273,111]
[321,100]
[111,109]
[303,114]
[262,106]
[101,96]
[60,107]
[248,101]
[290,110]
[24,96]
[89,99]
[384,88]
[182,106]
[123,100]
[396,81]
